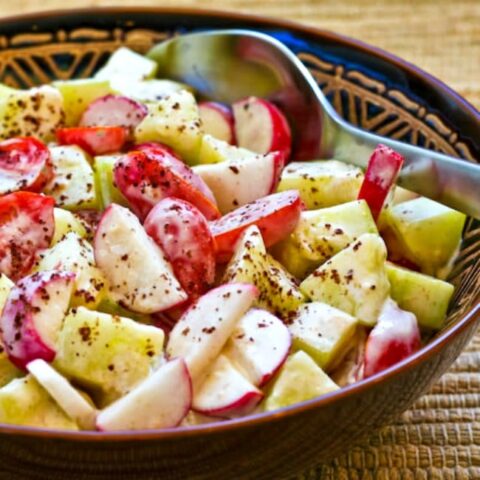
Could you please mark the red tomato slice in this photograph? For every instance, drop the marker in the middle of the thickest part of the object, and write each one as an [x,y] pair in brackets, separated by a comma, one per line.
[25,164]
[94,140]
[167,156]
[26,226]
[380,176]
[183,234]
[145,179]
[275,215]
[395,337]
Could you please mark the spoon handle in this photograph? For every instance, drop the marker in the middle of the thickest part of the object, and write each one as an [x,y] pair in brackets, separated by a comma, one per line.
[447,180]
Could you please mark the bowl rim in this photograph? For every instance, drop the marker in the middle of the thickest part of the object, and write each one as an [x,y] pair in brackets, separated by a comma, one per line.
[426,352]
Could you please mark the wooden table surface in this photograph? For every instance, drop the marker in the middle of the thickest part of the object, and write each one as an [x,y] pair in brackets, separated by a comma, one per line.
[439,438]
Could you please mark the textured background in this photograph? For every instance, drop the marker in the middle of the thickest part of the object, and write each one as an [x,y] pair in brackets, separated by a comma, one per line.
[439,438]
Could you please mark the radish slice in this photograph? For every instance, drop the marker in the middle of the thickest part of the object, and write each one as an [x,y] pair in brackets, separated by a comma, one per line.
[380,176]
[25,164]
[114,110]
[217,121]
[261,127]
[69,399]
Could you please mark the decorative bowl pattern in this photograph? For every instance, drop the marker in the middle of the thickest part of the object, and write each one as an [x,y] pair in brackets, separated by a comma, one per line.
[369,88]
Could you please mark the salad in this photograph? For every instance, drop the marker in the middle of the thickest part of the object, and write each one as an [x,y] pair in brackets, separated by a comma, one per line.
[164,262]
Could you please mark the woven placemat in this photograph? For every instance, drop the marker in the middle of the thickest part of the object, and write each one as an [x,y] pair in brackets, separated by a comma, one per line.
[439,438]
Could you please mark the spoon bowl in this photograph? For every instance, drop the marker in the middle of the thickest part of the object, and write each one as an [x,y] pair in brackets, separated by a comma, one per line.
[227,65]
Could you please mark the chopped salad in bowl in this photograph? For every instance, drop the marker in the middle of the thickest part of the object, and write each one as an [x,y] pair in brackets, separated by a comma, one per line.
[164,262]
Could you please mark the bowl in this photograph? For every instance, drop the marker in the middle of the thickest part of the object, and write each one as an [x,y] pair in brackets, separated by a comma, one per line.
[367,86]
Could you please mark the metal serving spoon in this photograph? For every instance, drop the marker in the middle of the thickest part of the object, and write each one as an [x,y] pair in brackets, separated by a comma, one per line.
[227,65]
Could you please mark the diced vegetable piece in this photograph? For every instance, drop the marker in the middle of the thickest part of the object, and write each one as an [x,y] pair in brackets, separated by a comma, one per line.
[380,177]
[174,121]
[125,63]
[225,392]
[251,264]
[428,232]
[70,400]
[300,379]
[320,234]
[78,94]
[182,233]
[73,186]
[259,346]
[26,226]
[25,164]
[231,179]
[94,140]
[160,401]
[75,254]
[205,327]
[139,275]
[276,216]
[24,402]
[395,337]
[354,280]
[33,314]
[66,222]
[106,354]
[427,297]
[109,193]
[322,183]
[146,177]
[217,121]
[324,332]
[37,112]
[8,371]
[261,127]
[146,91]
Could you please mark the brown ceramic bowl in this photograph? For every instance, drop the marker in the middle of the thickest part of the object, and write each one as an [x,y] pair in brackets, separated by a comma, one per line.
[368,87]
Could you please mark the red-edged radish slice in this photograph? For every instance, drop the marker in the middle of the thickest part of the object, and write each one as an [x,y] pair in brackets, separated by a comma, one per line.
[217,121]
[33,314]
[204,329]
[184,236]
[380,176]
[114,110]
[26,226]
[145,179]
[69,399]
[275,215]
[139,275]
[231,181]
[259,345]
[160,401]
[225,392]
[25,164]
[261,127]
[395,337]
[94,140]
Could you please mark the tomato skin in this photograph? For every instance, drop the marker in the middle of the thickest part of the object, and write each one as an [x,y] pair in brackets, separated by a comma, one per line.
[275,215]
[94,140]
[183,234]
[25,164]
[26,226]
[167,156]
[145,179]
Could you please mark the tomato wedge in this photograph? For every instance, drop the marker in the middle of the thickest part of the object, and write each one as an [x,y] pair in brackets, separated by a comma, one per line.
[26,226]
[275,215]
[183,234]
[25,164]
[145,179]
[94,140]
[167,156]
[380,176]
